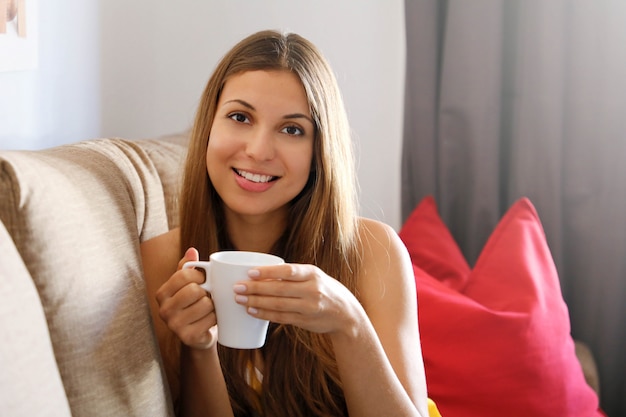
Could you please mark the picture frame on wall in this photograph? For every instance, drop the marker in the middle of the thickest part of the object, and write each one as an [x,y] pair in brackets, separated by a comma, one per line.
[18,35]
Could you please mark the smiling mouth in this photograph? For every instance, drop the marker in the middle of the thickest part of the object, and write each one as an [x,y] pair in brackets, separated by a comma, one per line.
[257,178]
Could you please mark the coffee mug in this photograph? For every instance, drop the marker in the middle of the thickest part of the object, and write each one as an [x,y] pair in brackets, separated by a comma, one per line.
[235,327]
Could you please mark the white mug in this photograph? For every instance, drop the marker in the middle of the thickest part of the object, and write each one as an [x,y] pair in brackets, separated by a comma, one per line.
[235,327]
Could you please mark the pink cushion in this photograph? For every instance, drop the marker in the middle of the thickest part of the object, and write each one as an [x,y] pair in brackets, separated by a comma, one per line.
[432,246]
[500,344]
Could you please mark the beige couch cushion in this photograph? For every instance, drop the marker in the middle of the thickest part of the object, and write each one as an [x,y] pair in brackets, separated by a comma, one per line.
[30,381]
[77,214]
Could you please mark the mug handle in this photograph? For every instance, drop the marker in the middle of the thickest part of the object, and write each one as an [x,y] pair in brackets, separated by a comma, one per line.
[206,265]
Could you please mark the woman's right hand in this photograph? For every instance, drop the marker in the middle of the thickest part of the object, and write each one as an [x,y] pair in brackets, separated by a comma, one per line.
[187,308]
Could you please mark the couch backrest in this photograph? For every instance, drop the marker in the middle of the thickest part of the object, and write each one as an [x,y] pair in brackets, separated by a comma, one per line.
[77,214]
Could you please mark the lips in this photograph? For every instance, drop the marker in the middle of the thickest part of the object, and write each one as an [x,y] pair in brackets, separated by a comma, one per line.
[256,178]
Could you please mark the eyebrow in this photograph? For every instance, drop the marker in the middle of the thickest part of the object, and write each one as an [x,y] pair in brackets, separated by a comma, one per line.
[287,116]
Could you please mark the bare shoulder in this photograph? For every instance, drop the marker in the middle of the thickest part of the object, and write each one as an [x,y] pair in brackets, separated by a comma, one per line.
[380,243]
[370,228]
[385,260]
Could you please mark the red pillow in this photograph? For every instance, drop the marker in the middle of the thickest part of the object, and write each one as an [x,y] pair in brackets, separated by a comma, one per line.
[432,246]
[501,345]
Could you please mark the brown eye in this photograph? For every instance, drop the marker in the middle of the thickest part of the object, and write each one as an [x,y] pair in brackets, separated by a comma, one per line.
[239,117]
[293,131]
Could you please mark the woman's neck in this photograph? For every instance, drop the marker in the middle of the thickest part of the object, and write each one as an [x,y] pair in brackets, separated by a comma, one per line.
[254,233]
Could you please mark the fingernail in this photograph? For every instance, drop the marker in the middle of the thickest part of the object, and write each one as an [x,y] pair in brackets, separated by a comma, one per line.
[239,288]
[190,253]
[252,310]
[253,273]
[241,299]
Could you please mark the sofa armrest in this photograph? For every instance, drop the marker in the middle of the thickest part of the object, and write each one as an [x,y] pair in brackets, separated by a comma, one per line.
[30,380]
[77,214]
[588,364]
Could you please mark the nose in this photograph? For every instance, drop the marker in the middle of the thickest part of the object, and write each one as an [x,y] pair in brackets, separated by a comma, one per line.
[261,145]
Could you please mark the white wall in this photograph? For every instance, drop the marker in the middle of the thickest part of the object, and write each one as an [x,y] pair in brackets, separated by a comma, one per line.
[136,69]
[58,102]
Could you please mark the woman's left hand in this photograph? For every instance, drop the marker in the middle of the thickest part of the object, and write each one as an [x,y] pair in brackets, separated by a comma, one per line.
[300,295]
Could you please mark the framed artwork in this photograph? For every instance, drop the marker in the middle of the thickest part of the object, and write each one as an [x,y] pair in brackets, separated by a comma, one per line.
[18,35]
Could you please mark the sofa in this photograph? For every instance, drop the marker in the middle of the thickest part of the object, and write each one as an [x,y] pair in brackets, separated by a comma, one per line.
[76,330]
[77,337]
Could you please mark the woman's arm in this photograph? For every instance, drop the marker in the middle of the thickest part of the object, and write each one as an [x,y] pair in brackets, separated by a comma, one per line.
[183,311]
[385,350]
[203,389]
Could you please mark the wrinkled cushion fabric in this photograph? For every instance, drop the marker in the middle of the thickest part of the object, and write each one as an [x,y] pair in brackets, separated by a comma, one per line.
[29,377]
[496,341]
[77,214]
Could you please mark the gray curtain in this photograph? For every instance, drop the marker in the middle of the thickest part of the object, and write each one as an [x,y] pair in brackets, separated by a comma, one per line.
[511,98]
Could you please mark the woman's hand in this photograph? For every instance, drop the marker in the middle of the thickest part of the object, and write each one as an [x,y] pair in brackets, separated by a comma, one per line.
[300,295]
[187,308]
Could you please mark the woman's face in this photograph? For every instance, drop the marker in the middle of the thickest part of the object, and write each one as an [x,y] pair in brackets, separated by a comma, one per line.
[261,143]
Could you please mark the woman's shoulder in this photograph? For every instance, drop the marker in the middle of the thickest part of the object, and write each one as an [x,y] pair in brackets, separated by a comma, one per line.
[386,273]
[380,246]
[376,234]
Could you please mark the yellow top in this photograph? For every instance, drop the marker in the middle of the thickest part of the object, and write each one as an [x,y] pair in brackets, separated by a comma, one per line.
[432,409]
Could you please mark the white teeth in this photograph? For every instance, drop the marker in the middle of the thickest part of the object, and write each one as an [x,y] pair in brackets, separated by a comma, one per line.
[254,177]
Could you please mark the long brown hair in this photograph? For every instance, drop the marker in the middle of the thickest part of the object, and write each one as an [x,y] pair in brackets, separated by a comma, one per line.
[300,373]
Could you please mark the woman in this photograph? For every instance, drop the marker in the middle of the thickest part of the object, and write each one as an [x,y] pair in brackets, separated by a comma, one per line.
[270,169]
